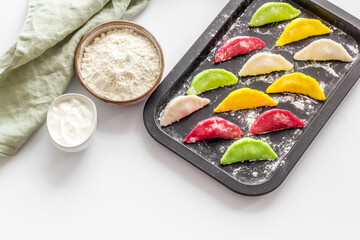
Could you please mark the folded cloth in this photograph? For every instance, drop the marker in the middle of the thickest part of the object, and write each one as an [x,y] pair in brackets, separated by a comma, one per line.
[40,65]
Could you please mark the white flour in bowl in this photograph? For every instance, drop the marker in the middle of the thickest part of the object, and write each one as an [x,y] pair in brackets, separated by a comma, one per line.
[120,65]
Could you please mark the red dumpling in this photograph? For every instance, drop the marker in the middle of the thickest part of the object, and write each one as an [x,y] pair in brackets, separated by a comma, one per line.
[213,127]
[237,45]
[274,120]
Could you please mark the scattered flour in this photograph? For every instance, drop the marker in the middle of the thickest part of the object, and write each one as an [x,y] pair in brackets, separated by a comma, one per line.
[260,31]
[120,65]
[324,65]
[263,78]
[353,49]
[303,103]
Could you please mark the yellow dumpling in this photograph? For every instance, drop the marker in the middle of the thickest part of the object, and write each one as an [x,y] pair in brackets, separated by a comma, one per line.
[244,98]
[297,83]
[301,28]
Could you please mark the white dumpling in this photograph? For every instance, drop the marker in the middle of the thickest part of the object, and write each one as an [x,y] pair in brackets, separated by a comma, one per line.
[323,50]
[262,63]
[180,107]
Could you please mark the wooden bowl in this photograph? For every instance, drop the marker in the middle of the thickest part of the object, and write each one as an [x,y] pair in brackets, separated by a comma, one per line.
[103,28]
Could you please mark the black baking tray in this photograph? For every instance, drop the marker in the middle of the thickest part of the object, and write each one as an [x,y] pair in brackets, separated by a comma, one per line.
[336,78]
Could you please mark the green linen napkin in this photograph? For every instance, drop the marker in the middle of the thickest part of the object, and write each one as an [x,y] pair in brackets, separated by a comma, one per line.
[39,66]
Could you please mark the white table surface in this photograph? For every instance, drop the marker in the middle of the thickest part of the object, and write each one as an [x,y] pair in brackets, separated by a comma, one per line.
[127,186]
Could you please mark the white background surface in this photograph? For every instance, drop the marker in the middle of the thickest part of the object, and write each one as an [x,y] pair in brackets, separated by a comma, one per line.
[127,186]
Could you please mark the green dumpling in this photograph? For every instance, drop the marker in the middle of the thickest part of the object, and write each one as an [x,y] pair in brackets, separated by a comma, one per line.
[273,12]
[247,149]
[210,79]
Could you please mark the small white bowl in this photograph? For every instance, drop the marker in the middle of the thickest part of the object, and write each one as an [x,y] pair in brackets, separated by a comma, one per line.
[87,139]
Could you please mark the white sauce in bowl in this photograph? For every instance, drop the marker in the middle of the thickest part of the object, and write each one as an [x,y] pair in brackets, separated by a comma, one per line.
[71,120]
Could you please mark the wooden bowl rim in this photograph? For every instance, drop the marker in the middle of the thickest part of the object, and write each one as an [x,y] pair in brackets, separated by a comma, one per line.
[118,24]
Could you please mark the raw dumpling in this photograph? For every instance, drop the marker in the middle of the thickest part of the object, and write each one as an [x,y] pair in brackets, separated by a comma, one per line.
[180,107]
[262,63]
[301,28]
[213,127]
[244,98]
[248,149]
[275,120]
[273,12]
[323,50]
[297,83]
[238,45]
[211,79]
